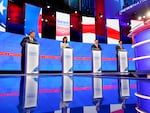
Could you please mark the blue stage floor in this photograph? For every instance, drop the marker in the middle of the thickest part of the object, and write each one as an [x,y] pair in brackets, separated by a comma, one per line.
[50,90]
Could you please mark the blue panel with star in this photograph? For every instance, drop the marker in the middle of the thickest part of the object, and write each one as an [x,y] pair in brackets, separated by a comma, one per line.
[3,14]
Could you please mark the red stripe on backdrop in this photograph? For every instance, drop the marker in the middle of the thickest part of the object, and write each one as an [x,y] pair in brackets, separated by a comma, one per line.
[9,54]
[62,31]
[55,57]
[107,87]
[90,28]
[40,23]
[50,57]
[82,58]
[112,33]
[109,59]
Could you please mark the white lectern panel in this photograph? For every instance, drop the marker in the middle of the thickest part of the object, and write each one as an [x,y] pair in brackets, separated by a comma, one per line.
[31,80]
[67,63]
[96,61]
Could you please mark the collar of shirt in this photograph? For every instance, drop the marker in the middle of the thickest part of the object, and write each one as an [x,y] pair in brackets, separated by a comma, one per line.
[30,38]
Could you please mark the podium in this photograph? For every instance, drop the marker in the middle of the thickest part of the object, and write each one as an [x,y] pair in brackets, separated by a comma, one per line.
[30,89]
[67,79]
[123,61]
[97,68]
[124,85]
[67,60]
[97,61]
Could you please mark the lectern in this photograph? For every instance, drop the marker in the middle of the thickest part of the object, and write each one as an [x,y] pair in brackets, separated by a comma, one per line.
[30,92]
[67,78]
[124,85]
[97,81]
[67,60]
[97,61]
[123,61]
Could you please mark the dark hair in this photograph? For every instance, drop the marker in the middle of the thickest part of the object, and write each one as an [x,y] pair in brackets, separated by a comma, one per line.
[119,41]
[31,32]
[64,39]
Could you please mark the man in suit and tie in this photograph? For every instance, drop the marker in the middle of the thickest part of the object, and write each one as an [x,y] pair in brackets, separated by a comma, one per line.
[119,47]
[96,46]
[29,39]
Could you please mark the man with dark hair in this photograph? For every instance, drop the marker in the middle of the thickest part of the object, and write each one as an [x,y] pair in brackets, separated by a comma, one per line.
[119,47]
[96,45]
[29,39]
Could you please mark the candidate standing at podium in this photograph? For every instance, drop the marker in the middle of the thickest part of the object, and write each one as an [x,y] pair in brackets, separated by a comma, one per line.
[96,45]
[64,43]
[29,39]
[119,47]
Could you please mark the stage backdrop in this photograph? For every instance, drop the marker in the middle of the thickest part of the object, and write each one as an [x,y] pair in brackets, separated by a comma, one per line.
[88,29]
[3,14]
[62,25]
[33,21]
[113,31]
[10,54]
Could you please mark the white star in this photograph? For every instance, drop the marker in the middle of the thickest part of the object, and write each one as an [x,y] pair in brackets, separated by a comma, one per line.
[2,8]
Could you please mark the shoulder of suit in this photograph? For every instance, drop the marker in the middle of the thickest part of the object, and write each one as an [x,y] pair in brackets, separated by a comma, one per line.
[26,37]
[34,39]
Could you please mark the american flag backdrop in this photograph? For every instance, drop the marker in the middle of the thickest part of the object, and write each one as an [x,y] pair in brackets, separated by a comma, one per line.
[3,14]
[113,31]
[33,19]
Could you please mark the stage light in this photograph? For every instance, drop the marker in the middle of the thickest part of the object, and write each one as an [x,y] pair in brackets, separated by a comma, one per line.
[46,20]
[144,16]
[48,6]
[139,18]
[148,14]
[71,25]
[76,12]
[100,15]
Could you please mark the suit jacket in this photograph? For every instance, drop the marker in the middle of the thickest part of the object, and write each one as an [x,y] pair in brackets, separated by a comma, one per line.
[118,48]
[23,43]
[27,40]
[94,47]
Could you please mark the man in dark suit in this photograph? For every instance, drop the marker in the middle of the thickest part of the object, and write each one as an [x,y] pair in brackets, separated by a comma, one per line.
[96,46]
[29,39]
[119,47]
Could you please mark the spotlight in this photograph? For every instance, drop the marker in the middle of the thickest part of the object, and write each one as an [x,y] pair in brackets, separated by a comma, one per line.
[71,25]
[46,20]
[148,14]
[139,18]
[76,12]
[100,15]
[42,19]
[48,6]
[144,16]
